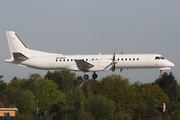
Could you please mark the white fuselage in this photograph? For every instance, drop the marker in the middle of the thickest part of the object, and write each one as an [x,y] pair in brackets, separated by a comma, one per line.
[49,61]
[23,56]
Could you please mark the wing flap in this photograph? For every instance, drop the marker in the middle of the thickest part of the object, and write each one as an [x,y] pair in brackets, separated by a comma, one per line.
[83,65]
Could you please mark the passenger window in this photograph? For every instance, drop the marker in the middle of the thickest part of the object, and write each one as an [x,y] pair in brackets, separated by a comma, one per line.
[137,58]
[122,59]
[125,58]
[133,58]
[129,59]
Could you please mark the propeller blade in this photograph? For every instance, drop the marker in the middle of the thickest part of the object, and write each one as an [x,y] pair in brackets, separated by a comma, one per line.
[113,67]
[113,63]
[113,57]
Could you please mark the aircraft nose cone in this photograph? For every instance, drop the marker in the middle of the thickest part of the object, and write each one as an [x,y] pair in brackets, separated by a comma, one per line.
[172,64]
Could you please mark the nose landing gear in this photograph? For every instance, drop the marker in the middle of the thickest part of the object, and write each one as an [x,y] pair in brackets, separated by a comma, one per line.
[160,74]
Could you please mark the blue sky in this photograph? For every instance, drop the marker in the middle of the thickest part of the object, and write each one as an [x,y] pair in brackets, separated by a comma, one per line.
[90,27]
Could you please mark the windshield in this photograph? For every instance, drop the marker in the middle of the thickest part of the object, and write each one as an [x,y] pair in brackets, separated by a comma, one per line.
[162,57]
[159,57]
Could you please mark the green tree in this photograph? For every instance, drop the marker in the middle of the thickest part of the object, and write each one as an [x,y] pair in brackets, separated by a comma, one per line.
[45,91]
[89,88]
[24,116]
[2,87]
[100,107]
[12,92]
[176,115]
[26,103]
[72,104]
[1,76]
[169,85]
[151,96]
[120,91]
[65,79]
[34,84]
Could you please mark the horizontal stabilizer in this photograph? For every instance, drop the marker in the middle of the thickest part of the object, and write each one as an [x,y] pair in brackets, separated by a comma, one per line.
[9,60]
[19,56]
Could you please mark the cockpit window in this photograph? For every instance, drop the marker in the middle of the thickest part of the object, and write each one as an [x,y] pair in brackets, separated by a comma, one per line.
[162,58]
[159,57]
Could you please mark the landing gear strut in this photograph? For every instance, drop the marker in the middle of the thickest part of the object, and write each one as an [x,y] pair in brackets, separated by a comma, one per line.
[160,74]
[94,76]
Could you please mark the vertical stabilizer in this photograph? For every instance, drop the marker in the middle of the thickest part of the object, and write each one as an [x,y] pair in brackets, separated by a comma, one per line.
[16,45]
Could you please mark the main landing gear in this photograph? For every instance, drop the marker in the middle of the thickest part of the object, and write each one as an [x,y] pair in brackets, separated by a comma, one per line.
[94,76]
[86,76]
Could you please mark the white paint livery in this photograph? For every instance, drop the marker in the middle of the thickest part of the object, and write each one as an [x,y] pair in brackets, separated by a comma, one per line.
[23,56]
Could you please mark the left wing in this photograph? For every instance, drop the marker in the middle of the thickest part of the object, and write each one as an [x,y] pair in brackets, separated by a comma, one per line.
[83,65]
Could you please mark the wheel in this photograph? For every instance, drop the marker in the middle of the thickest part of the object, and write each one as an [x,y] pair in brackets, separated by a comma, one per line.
[86,76]
[94,76]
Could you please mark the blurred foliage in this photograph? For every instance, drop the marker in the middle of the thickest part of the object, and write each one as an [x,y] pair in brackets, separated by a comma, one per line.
[62,95]
[100,107]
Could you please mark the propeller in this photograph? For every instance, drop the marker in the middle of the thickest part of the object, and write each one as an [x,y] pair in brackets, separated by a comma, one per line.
[113,63]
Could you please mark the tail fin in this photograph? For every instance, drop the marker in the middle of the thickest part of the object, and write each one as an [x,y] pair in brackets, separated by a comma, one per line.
[17,48]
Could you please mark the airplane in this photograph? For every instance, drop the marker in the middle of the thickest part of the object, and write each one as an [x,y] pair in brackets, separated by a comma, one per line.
[23,56]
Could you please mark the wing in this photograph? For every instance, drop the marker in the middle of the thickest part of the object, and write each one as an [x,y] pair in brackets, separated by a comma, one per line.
[83,65]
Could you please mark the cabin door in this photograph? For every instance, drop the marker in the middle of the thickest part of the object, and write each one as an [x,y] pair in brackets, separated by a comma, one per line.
[51,63]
